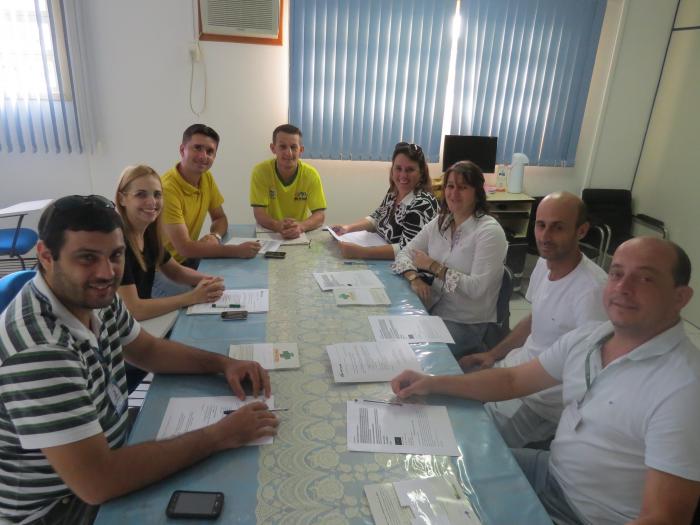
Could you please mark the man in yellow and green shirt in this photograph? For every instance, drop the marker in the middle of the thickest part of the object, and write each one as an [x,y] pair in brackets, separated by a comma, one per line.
[286,193]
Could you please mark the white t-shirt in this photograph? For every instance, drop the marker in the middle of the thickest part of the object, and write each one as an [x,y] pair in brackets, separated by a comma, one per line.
[557,308]
[640,412]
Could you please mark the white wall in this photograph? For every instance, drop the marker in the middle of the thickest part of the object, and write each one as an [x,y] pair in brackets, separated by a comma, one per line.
[139,75]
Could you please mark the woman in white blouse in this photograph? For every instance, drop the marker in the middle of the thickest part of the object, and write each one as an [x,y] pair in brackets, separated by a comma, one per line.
[464,248]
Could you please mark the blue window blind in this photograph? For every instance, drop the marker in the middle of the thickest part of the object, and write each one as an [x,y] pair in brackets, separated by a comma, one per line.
[365,74]
[523,69]
[37,96]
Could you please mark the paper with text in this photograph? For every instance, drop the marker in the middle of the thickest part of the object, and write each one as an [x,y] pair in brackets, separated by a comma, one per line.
[370,362]
[254,300]
[273,236]
[406,429]
[361,238]
[271,356]
[361,296]
[424,501]
[266,245]
[411,328]
[353,278]
[185,414]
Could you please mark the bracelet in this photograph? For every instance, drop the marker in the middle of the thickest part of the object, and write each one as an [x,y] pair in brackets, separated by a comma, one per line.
[430,268]
[218,237]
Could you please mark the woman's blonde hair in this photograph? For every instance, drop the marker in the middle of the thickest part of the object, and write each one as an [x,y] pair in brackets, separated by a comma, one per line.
[152,237]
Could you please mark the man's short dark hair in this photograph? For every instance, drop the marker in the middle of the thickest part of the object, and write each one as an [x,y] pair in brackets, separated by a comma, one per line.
[91,213]
[200,129]
[682,268]
[290,129]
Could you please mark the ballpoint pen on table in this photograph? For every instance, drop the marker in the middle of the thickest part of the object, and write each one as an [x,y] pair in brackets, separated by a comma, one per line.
[380,401]
[225,305]
[226,412]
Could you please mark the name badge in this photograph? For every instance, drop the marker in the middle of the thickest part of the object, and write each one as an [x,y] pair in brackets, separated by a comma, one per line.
[118,400]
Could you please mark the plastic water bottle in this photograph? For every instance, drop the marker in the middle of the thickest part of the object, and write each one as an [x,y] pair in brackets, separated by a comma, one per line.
[501,178]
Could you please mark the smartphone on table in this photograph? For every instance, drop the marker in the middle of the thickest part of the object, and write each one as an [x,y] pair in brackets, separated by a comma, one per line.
[275,255]
[195,504]
[236,315]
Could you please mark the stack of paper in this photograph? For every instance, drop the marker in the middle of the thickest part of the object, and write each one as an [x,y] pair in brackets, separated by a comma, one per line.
[355,279]
[361,238]
[400,428]
[370,362]
[360,296]
[411,328]
[271,356]
[266,245]
[428,501]
[254,300]
[185,414]
[266,234]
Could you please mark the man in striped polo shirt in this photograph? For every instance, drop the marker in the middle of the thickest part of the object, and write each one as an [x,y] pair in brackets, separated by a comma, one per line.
[63,394]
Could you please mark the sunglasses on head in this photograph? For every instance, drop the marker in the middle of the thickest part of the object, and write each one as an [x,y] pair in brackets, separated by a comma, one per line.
[408,146]
[76,201]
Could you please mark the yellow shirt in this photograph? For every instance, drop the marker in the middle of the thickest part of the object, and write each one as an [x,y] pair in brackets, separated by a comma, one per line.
[187,204]
[296,200]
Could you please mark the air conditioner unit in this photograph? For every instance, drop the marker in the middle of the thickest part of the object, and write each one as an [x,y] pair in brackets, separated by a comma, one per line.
[254,21]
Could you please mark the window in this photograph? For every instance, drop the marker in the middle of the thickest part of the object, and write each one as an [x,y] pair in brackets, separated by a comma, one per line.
[37,95]
[367,74]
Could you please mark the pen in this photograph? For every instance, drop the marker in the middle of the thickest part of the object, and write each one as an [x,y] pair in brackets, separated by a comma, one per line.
[358,262]
[269,409]
[380,401]
[225,305]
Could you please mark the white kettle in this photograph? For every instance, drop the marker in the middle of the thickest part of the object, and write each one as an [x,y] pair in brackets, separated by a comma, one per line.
[517,171]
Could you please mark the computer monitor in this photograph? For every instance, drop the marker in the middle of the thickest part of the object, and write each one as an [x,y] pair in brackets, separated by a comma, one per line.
[480,150]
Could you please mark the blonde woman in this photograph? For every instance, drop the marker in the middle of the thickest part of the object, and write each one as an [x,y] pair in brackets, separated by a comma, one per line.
[139,200]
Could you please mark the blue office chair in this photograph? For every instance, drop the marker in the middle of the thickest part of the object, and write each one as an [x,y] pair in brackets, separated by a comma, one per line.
[10,285]
[15,242]
[497,331]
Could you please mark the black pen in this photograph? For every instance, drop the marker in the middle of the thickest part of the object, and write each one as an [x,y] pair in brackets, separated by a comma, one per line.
[380,401]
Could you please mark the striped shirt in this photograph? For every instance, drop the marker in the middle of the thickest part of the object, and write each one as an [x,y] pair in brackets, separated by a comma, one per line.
[54,380]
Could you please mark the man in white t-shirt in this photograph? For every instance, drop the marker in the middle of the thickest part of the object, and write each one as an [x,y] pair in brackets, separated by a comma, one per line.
[565,292]
[626,448]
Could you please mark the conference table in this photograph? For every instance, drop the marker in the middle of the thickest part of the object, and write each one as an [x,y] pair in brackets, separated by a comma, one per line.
[307,476]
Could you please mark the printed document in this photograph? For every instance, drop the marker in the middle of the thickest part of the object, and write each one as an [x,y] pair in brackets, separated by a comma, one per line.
[371,362]
[354,278]
[360,296]
[266,245]
[405,428]
[254,300]
[274,236]
[361,238]
[426,501]
[411,328]
[185,414]
[271,356]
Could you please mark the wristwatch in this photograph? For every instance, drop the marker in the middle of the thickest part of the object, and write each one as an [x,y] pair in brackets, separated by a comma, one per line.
[217,236]
[412,277]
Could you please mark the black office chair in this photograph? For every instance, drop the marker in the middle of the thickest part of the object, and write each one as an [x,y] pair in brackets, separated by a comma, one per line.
[611,211]
[497,331]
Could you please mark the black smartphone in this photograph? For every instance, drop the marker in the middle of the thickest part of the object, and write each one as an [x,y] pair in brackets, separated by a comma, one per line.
[195,504]
[238,315]
[275,255]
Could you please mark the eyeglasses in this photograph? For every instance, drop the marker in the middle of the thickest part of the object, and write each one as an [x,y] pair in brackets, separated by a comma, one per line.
[414,148]
[76,201]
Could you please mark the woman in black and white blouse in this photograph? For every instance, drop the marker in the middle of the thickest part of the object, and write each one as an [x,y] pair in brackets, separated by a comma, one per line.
[407,207]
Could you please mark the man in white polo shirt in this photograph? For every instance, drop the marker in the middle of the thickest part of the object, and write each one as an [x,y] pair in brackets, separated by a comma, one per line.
[566,292]
[627,445]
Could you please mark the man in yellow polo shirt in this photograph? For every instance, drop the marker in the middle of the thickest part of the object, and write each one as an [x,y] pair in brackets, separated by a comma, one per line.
[286,193]
[189,194]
